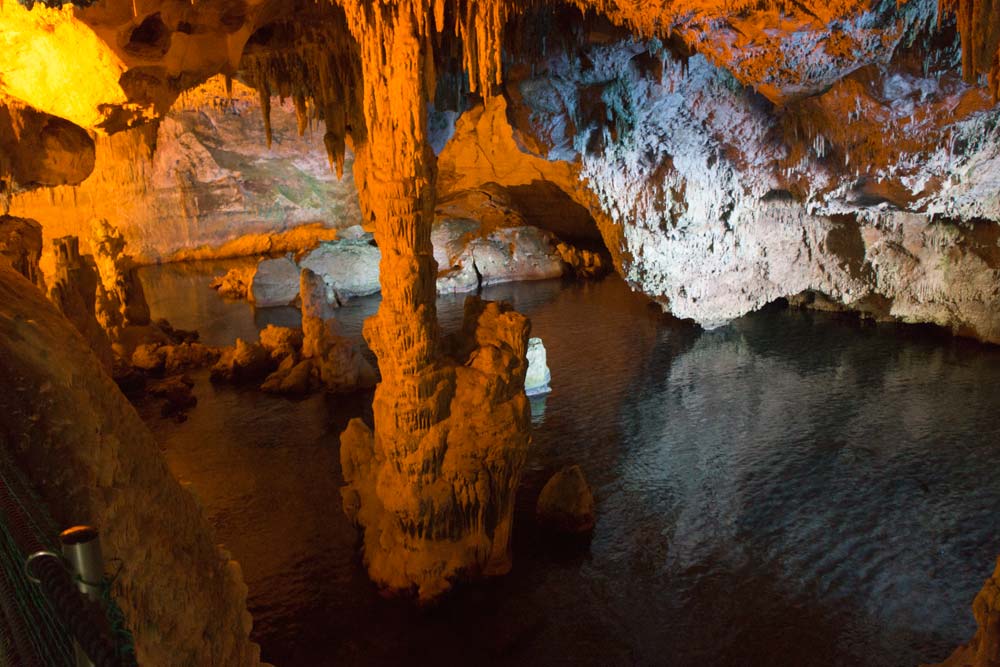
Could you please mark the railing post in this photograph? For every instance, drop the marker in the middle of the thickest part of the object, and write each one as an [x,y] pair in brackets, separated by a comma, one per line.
[81,547]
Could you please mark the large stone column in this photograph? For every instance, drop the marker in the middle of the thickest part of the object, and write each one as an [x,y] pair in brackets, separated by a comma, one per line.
[433,486]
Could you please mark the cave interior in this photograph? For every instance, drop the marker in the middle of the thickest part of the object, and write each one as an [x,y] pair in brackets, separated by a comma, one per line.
[450,331]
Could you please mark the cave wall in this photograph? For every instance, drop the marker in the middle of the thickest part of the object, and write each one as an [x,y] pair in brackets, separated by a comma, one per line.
[202,183]
[93,460]
[879,192]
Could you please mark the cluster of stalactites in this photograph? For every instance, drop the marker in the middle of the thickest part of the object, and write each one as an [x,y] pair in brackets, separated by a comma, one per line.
[979,26]
[320,74]
[476,24]
[479,27]
[319,82]
[657,18]
[322,71]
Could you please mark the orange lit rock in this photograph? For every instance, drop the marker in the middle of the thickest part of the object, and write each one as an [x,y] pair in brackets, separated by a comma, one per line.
[201,183]
[185,606]
[984,649]
[37,149]
[433,486]
[74,289]
[21,247]
[235,284]
[123,302]
[243,363]
[44,53]
[442,510]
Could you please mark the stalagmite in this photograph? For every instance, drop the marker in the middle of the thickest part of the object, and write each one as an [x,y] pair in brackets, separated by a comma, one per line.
[21,247]
[124,303]
[433,486]
[73,292]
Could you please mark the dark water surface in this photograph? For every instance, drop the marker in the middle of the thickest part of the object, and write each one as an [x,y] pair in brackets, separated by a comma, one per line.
[794,489]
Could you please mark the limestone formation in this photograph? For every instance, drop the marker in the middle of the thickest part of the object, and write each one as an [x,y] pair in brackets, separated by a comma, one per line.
[481,237]
[243,363]
[275,283]
[349,266]
[183,598]
[583,263]
[120,301]
[566,503]
[291,378]
[21,247]
[234,284]
[74,293]
[442,510]
[281,342]
[318,298]
[538,377]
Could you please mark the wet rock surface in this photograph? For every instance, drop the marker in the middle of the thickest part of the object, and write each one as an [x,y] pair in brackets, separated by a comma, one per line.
[275,283]
[566,503]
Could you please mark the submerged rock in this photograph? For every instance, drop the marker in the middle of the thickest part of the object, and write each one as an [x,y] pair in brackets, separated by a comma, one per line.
[175,394]
[566,502]
[538,377]
[291,378]
[244,362]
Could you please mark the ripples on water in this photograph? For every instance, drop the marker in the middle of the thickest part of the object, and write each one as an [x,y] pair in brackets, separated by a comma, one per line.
[794,489]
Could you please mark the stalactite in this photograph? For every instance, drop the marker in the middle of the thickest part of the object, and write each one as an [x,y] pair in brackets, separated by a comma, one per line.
[319,68]
[979,27]
[301,113]
[265,109]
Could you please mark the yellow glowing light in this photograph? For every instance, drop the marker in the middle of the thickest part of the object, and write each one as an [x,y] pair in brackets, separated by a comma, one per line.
[55,63]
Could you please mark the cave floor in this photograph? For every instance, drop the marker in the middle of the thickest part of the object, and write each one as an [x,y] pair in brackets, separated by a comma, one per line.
[796,488]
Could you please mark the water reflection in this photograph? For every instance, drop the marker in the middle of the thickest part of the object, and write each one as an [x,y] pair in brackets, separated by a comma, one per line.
[796,489]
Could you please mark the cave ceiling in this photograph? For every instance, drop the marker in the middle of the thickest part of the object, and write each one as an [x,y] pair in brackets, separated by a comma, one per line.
[108,65]
[88,63]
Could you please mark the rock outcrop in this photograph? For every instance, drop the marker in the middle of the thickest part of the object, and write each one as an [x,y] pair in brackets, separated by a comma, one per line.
[715,203]
[538,377]
[243,363]
[234,284]
[275,283]
[441,509]
[984,649]
[566,503]
[200,184]
[348,266]
[74,293]
[183,597]
[336,361]
[21,247]
[121,301]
